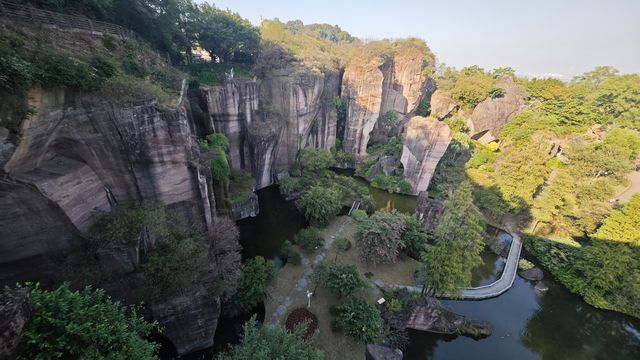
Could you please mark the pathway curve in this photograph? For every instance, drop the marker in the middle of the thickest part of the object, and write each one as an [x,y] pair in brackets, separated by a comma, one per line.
[304,280]
[506,279]
[634,187]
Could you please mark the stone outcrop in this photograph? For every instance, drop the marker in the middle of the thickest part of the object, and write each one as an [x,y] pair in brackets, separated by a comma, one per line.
[533,274]
[428,314]
[371,90]
[378,352]
[248,208]
[15,314]
[267,121]
[441,105]
[189,320]
[426,141]
[428,211]
[386,165]
[75,157]
[490,115]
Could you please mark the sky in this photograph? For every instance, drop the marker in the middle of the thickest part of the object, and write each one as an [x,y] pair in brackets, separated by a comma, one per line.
[535,37]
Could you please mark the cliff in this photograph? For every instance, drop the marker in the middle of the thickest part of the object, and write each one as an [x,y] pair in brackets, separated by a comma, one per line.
[269,120]
[370,90]
[426,140]
[76,156]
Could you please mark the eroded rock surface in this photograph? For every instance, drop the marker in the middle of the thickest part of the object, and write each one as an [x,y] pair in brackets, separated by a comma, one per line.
[534,274]
[490,115]
[428,314]
[15,314]
[426,141]
[441,104]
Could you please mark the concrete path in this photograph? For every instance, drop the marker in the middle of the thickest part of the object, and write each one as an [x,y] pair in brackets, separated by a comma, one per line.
[304,280]
[501,285]
[633,188]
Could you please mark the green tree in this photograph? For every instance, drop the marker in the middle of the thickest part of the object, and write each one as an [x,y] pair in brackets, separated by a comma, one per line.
[503,71]
[358,319]
[622,225]
[309,238]
[458,241]
[379,237]
[252,286]
[341,279]
[471,88]
[84,324]
[218,144]
[320,204]
[271,342]
[226,34]
[414,237]
[316,160]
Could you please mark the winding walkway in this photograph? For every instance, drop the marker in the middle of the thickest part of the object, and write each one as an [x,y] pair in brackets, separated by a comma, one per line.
[501,285]
[305,278]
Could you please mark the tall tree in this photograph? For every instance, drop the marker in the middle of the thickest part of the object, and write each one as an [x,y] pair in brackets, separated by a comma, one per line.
[458,241]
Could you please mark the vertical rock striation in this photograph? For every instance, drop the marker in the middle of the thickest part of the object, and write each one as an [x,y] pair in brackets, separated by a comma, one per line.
[426,140]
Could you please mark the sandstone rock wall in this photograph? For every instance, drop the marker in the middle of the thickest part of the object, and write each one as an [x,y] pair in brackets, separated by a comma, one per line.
[267,121]
[426,140]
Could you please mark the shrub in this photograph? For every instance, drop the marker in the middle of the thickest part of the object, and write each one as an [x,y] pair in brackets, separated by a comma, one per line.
[395,305]
[285,248]
[252,286]
[271,342]
[391,118]
[309,238]
[321,204]
[424,108]
[295,258]
[338,278]
[302,317]
[364,170]
[359,214]
[84,324]
[379,237]
[358,319]
[392,184]
[124,226]
[316,160]
[342,244]
[525,264]
[496,92]
[289,185]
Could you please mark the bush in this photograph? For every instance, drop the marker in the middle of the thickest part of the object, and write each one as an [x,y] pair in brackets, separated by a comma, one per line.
[309,238]
[84,324]
[289,185]
[424,108]
[359,214]
[342,244]
[124,226]
[392,184]
[305,318]
[271,342]
[358,319]
[173,266]
[379,237]
[395,305]
[316,160]
[525,264]
[295,258]
[338,278]
[496,92]
[252,286]
[321,204]
[391,118]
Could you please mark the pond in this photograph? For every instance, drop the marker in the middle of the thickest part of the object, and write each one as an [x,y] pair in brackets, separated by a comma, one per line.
[527,324]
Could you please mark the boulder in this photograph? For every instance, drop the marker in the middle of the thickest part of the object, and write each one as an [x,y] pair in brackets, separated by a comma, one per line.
[427,314]
[386,165]
[490,115]
[425,143]
[534,274]
[378,352]
[189,320]
[428,211]
[441,104]
[541,287]
[15,314]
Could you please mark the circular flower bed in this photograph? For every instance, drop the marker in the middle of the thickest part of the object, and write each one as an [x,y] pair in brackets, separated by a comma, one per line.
[300,315]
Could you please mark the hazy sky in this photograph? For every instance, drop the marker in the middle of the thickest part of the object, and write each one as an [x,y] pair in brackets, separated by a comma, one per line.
[535,37]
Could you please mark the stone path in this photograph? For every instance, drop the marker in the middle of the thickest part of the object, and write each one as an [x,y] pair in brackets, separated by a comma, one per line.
[305,279]
[501,285]
[634,187]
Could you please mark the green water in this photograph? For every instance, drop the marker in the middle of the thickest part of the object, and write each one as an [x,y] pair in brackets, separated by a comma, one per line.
[526,324]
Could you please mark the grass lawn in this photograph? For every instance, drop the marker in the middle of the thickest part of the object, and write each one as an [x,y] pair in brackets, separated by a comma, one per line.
[334,345]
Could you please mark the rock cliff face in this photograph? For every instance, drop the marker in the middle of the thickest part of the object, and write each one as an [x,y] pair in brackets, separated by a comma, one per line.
[490,115]
[371,90]
[76,157]
[426,140]
[441,105]
[267,121]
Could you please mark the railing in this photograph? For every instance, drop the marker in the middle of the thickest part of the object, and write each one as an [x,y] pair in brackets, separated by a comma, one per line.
[26,13]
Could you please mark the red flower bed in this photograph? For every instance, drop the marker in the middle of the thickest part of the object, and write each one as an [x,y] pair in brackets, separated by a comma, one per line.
[298,316]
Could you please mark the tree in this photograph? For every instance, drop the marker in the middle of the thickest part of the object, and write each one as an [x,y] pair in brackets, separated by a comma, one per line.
[316,160]
[226,250]
[320,205]
[623,225]
[308,238]
[503,71]
[84,324]
[358,319]
[252,286]
[218,144]
[379,237]
[271,342]
[414,237]
[596,76]
[341,279]
[226,34]
[458,241]
[471,88]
